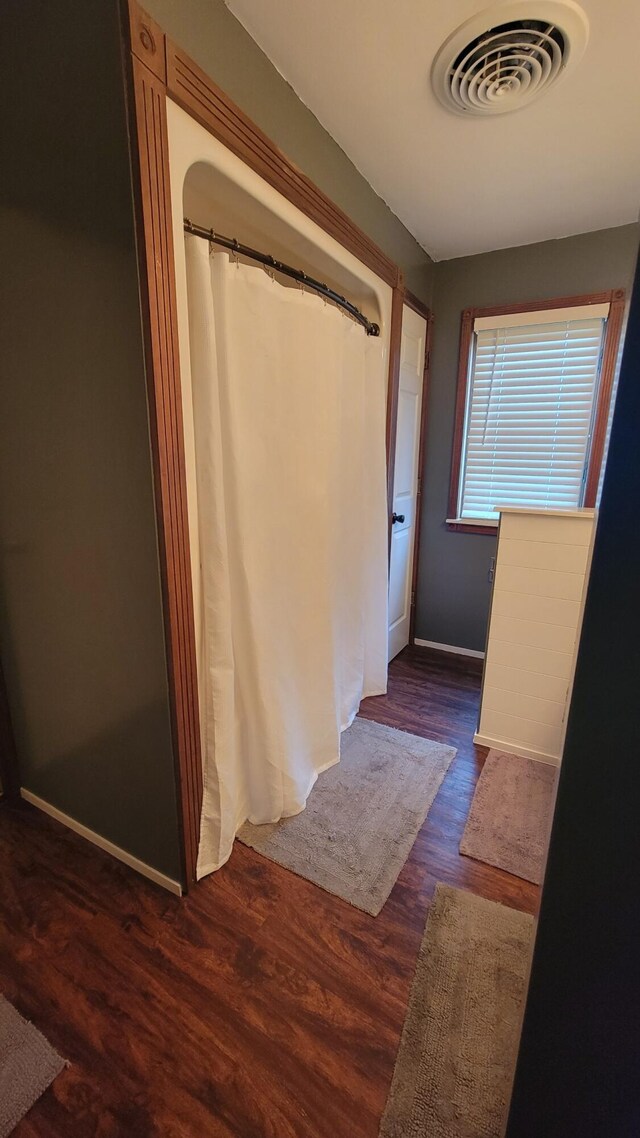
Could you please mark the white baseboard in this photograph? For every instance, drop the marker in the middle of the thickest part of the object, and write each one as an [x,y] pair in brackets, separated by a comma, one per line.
[97,839]
[516,749]
[449,648]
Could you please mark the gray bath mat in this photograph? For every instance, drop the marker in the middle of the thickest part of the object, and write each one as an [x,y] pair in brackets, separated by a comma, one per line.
[510,816]
[457,1054]
[28,1064]
[362,816]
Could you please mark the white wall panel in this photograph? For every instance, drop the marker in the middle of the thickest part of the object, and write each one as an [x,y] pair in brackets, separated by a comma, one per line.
[536,614]
[523,706]
[540,684]
[531,659]
[544,555]
[558,529]
[539,582]
[549,610]
[510,732]
[533,633]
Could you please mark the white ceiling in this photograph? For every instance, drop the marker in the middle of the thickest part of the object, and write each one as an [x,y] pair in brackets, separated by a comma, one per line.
[568,163]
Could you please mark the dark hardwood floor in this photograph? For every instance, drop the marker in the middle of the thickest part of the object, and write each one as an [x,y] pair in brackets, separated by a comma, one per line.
[257,1007]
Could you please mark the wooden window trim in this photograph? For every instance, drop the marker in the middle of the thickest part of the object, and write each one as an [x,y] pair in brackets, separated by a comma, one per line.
[615,298]
[610,350]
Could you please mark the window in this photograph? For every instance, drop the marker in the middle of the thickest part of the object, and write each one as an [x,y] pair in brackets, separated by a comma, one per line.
[534,389]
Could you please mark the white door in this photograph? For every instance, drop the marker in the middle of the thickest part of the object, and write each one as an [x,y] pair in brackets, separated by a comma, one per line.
[405,485]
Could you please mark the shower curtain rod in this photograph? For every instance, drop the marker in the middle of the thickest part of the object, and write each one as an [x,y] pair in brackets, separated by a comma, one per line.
[286,270]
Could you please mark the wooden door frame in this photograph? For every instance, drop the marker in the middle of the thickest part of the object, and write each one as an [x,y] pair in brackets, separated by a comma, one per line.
[392,397]
[9,772]
[156,68]
[414,303]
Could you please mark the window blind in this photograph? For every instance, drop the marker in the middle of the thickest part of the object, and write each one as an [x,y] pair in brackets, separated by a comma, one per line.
[530,404]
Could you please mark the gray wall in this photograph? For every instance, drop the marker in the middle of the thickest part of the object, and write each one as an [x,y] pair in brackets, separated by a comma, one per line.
[208,31]
[81,631]
[453,589]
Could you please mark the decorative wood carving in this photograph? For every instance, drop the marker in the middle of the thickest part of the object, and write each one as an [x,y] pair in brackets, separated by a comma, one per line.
[148,42]
[165,402]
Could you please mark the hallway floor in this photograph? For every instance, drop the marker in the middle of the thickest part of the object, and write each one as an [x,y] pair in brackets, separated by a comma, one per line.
[258,1007]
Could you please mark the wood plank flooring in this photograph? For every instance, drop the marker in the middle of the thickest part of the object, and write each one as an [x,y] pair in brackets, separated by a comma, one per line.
[259,1006]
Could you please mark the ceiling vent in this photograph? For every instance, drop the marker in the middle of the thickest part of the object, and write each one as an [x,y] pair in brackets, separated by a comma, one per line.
[507,56]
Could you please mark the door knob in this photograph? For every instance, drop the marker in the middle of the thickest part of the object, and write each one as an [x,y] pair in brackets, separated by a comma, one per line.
[397,518]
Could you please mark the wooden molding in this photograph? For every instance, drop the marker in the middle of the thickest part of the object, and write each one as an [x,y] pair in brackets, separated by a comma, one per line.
[488,531]
[102,843]
[190,87]
[421,460]
[548,302]
[616,300]
[414,302]
[165,405]
[148,42]
[610,350]
[466,332]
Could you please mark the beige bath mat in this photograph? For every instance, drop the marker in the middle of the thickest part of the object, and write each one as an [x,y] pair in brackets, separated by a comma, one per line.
[510,816]
[362,816]
[28,1064]
[457,1054]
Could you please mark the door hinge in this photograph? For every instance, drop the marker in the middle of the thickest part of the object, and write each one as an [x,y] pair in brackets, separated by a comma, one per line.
[413,597]
[427,359]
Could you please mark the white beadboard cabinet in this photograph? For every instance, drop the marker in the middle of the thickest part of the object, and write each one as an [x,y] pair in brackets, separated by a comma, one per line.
[541,574]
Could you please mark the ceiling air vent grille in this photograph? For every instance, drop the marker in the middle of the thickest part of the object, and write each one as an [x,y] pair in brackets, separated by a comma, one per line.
[488,69]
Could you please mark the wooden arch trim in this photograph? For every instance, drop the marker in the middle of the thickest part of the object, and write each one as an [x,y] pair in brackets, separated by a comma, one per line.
[157,68]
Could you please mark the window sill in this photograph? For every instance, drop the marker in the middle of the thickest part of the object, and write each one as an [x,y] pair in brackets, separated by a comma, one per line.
[470,525]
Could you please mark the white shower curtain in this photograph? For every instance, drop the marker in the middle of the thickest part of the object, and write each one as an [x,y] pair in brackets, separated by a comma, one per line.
[289,413]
